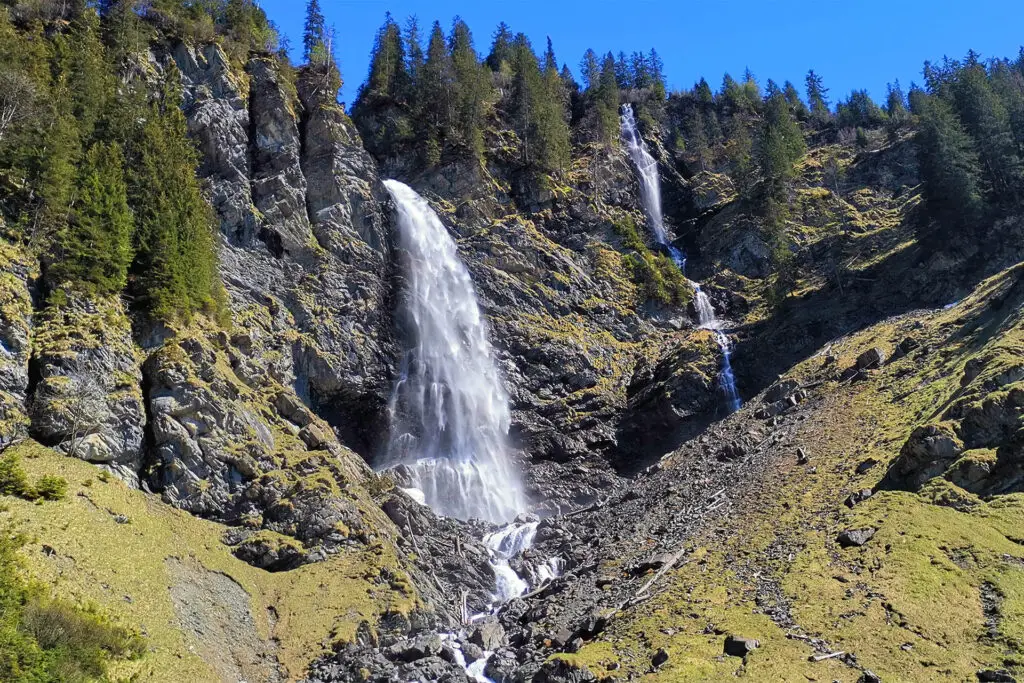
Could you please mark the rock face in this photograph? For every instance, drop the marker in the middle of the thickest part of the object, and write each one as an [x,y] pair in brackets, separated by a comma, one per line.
[305,256]
[16,275]
[88,399]
[222,449]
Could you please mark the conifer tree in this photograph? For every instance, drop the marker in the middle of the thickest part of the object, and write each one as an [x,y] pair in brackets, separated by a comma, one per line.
[591,70]
[984,118]
[472,89]
[388,76]
[949,166]
[314,35]
[895,104]
[781,144]
[622,73]
[607,102]
[796,105]
[93,249]
[435,97]
[817,101]
[176,268]
[414,50]
[501,48]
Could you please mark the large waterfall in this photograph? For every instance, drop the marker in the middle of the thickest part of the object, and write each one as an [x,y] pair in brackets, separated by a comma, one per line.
[650,189]
[449,413]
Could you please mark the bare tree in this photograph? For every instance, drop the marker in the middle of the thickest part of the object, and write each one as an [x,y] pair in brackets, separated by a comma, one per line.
[17,97]
[84,406]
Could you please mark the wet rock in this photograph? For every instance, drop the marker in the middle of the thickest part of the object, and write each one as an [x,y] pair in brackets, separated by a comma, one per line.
[472,652]
[488,634]
[501,667]
[851,538]
[739,646]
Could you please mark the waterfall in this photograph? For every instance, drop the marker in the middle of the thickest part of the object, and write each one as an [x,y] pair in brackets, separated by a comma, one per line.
[707,320]
[650,190]
[647,172]
[449,414]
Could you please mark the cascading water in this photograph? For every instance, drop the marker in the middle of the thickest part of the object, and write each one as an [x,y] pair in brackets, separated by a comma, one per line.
[650,187]
[709,321]
[449,413]
[647,172]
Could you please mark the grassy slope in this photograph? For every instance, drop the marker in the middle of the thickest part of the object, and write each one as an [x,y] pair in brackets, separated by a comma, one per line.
[908,605]
[122,568]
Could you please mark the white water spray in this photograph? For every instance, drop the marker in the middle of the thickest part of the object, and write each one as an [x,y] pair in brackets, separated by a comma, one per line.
[650,186]
[449,413]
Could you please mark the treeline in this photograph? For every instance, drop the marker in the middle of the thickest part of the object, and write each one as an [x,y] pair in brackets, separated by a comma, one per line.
[434,94]
[96,171]
[971,140]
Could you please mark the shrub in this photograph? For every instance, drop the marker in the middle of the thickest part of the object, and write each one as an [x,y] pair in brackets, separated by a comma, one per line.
[13,480]
[50,487]
[51,641]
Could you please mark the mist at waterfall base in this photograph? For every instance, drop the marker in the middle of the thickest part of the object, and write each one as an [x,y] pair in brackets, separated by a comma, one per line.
[449,413]
[650,195]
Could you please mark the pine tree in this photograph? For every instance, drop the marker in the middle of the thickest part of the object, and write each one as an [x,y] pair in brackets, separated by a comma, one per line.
[860,111]
[414,51]
[817,101]
[896,104]
[176,273]
[780,146]
[984,118]
[435,96]
[796,105]
[501,48]
[388,76]
[623,75]
[591,70]
[607,102]
[314,35]
[472,90]
[949,166]
[93,250]
[657,74]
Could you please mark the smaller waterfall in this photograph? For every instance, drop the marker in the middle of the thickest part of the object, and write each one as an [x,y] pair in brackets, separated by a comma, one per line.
[707,320]
[647,172]
[449,413]
[650,187]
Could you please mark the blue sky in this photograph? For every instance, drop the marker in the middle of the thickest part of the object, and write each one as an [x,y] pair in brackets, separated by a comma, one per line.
[852,44]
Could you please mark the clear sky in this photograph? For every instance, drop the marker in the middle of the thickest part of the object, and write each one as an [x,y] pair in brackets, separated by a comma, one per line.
[852,44]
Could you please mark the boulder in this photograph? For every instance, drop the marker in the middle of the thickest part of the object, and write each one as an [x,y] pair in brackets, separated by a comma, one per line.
[739,646]
[871,359]
[487,634]
[854,538]
[928,453]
